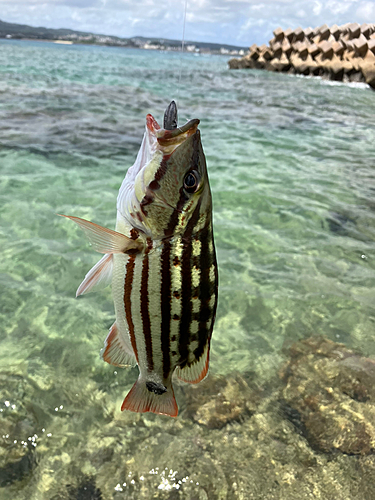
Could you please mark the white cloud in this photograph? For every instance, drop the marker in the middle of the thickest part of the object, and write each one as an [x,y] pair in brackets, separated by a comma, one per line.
[242,22]
[366,12]
[317,8]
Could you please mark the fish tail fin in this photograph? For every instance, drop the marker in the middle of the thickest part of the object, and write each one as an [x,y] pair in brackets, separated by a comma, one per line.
[141,399]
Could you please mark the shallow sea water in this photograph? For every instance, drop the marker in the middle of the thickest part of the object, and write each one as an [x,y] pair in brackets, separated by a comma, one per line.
[292,170]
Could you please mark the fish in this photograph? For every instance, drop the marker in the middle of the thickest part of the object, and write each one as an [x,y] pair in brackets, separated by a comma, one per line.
[162,264]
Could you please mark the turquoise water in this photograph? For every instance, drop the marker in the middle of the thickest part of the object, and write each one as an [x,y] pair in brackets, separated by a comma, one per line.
[291,164]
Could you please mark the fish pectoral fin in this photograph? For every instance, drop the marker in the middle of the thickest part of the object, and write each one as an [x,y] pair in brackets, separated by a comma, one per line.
[105,240]
[98,277]
[140,399]
[196,371]
[117,350]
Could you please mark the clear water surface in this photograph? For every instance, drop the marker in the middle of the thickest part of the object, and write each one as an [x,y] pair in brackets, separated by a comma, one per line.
[292,170]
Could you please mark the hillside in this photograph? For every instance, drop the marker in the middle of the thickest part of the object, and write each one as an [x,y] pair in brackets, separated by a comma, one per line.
[23,31]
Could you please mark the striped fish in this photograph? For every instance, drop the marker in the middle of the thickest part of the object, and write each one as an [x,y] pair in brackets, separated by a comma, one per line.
[162,264]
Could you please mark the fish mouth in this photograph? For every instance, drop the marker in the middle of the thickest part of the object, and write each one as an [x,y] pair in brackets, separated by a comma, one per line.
[171,135]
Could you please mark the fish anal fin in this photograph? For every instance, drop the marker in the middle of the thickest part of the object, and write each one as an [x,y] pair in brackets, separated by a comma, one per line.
[105,240]
[98,277]
[141,400]
[197,371]
[117,350]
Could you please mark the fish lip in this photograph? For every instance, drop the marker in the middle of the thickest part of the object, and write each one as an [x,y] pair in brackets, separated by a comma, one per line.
[169,140]
[165,140]
[189,128]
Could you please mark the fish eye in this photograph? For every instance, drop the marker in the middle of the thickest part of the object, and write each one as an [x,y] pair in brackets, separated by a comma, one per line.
[191,181]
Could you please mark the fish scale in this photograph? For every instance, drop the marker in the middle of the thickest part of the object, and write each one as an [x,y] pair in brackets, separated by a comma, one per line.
[162,263]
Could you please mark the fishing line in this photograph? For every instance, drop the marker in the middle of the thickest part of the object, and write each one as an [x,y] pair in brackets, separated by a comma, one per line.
[182,51]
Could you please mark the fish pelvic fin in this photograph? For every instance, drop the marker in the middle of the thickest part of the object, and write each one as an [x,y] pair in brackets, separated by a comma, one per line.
[98,277]
[143,398]
[117,349]
[105,240]
[197,371]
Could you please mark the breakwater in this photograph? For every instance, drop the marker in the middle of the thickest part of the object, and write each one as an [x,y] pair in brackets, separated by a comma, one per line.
[344,53]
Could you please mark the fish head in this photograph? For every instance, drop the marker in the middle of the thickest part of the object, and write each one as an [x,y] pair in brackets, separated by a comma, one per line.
[168,182]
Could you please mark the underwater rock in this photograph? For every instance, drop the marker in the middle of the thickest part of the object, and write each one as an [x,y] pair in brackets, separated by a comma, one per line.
[339,223]
[86,490]
[18,430]
[219,401]
[330,393]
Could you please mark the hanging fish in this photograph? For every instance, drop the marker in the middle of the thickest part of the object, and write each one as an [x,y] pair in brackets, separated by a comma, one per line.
[162,264]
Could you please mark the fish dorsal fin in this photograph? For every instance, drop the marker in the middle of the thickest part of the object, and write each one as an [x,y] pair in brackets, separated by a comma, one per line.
[141,400]
[98,277]
[117,349]
[105,240]
[197,371]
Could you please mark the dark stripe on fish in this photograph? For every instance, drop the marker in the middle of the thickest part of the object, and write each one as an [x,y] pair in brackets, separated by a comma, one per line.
[186,292]
[165,297]
[166,284]
[161,171]
[206,290]
[196,150]
[145,314]
[173,221]
[127,301]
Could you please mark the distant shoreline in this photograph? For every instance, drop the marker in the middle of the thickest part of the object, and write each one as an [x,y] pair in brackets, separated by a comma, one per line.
[79,44]
[11,31]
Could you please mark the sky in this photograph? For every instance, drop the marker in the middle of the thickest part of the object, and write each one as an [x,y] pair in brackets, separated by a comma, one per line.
[237,22]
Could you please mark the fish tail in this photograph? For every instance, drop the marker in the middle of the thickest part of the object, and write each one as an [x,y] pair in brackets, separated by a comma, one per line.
[142,399]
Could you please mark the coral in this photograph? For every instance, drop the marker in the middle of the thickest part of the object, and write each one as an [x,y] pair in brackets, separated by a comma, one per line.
[331,389]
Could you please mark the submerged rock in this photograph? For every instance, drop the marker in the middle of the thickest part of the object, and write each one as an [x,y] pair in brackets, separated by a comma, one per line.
[18,430]
[340,223]
[85,489]
[219,401]
[330,396]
